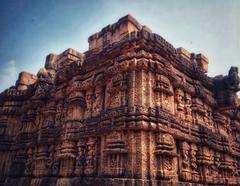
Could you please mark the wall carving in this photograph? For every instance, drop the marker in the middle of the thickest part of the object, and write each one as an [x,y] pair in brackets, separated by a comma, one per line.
[130,110]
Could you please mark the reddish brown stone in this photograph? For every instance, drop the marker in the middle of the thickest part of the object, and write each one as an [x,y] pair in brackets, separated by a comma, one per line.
[132,110]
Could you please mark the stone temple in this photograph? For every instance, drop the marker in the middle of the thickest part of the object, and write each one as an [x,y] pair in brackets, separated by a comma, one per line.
[131,111]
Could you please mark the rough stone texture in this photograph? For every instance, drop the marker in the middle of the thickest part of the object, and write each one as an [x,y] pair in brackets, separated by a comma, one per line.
[132,110]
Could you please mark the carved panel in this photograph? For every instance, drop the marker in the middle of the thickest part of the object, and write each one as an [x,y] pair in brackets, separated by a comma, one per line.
[89,97]
[165,153]
[193,162]
[205,161]
[91,159]
[188,107]
[98,100]
[66,158]
[164,93]
[185,169]
[115,90]
[180,104]
[115,154]
[81,158]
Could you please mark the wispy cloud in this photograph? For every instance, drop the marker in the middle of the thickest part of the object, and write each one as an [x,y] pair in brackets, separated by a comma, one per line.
[8,75]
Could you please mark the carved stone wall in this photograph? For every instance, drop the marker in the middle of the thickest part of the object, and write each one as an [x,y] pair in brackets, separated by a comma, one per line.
[132,110]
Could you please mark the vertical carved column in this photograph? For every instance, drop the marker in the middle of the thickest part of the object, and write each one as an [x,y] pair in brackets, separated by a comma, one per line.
[199,111]
[56,162]
[41,156]
[115,155]
[205,162]
[151,84]
[132,82]
[208,118]
[165,153]
[164,93]
[19,163]
[91,159]
[228,169]
[139,87]
[215,168]
[67,157]
[75,105]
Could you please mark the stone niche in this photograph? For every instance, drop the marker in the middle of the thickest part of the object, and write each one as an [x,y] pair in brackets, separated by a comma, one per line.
[116,91]
[115,154]
[166,157]
[75,106]
[66,158]
[164,93]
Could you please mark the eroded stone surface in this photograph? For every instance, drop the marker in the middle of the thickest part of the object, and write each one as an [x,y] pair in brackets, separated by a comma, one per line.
[132,110]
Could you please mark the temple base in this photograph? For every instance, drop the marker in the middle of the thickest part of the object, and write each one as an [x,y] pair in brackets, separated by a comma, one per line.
[92,181]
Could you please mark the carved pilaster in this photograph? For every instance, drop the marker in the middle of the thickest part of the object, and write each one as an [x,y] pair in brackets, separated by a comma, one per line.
[165,153]
[205,161]
[91,159]
[41,164]
[164,93]
[67,158]
[115,155]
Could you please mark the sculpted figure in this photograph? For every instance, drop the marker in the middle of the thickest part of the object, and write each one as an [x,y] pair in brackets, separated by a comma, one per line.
[59,113]
[226,88]
[81,158]
[188,104]
[193,157]
[179,97]
[90,157]
[29,163]
[44,83]
[233,79]
[89,103]
[97,105]
[185,155]
[186,173]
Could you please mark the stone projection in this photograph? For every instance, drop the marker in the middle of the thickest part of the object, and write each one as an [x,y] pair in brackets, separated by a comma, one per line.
[131,111]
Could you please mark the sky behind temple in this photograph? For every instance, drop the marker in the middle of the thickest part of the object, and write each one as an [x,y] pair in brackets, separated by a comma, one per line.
[31,29]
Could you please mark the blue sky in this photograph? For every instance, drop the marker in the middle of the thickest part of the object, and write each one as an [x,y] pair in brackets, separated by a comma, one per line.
[31,29]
